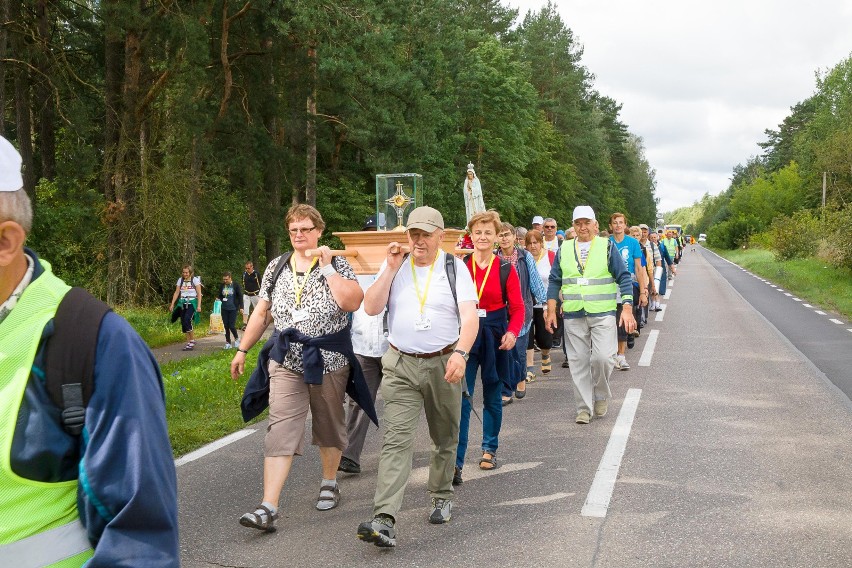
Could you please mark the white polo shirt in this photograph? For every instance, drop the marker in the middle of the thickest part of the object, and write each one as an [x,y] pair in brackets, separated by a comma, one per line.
[404,306]
[551,245]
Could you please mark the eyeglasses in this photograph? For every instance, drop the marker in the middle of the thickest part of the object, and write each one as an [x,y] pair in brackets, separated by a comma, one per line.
[504,235]
[300,230]
[550,226]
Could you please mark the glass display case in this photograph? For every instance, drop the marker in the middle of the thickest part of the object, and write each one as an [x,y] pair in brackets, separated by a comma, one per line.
[397,195]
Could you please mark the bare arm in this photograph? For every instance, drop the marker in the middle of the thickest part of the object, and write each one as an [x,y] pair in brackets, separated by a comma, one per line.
[376,297]
[174,298]
[254,330]
[467,335]
[198,291]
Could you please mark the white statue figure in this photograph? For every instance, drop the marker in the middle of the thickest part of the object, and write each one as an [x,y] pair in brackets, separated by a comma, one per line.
[473,202]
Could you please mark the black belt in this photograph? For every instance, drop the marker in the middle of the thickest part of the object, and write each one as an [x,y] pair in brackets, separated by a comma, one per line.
[444,351]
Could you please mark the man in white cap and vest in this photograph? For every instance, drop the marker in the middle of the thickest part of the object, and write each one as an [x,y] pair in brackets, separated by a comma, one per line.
[588,273]
[432,324]
[87,476]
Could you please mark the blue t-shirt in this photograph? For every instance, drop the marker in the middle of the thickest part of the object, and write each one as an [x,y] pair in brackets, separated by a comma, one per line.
[630,249]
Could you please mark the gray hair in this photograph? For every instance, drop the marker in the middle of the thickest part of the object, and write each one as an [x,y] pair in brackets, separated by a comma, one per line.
[550,219]
[15,206]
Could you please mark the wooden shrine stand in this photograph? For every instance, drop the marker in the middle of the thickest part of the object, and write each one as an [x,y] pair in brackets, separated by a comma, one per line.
[371,246]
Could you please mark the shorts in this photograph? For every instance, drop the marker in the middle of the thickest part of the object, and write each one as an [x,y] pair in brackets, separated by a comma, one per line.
[290,398]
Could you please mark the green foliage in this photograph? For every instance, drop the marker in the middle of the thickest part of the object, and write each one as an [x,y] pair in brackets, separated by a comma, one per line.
[182,133]
[795,236]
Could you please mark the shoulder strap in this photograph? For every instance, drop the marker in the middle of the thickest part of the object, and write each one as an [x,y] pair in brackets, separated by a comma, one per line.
[505,271]
[450,268]
[279,268]
[70,356]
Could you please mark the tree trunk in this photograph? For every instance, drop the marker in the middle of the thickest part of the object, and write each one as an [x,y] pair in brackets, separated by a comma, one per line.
[113,59]
[311,142]
[23,118]
[44,95]
[193,202]
[4,38]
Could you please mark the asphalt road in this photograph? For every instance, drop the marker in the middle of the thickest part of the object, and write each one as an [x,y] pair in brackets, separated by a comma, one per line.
[738,456]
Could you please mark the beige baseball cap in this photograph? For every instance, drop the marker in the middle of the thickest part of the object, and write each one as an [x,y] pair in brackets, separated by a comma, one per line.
[426,219]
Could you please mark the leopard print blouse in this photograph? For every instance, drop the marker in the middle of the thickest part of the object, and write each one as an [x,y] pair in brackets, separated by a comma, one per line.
[324,315]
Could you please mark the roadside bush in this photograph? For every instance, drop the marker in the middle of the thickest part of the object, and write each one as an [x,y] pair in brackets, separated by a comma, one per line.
[836,246]
[796,236]
[733,233]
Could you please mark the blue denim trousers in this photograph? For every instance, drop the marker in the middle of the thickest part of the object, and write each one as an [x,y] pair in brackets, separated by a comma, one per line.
[518,364]
[492,413]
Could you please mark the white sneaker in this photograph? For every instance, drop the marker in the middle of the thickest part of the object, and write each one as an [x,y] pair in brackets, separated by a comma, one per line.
[237,344]
[622,364]
[227,346]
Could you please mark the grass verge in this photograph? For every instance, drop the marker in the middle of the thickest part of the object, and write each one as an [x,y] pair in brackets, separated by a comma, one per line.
[202,402]
[810,279]
[155,325]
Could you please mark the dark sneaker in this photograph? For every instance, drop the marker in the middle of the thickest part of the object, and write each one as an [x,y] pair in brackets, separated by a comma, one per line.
[565,364]
[631,341]
[442,511]
[379,531]
[348,466]
[457,477]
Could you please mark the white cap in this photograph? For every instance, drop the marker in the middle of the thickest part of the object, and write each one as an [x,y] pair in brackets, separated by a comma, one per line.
[583,212]
[538,219]
[10,167]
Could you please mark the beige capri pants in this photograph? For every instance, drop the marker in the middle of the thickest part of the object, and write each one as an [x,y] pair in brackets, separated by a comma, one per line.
[290,397]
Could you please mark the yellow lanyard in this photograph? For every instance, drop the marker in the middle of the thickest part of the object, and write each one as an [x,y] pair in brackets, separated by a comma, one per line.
[297,286]
[484,280]
[582,263]
[422,298]
[543,252]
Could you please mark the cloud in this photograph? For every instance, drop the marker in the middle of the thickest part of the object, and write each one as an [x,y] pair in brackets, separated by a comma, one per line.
[700,82]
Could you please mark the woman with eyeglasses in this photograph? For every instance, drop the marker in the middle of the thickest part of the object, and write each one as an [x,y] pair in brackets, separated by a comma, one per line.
[538,334]
[308,363]
[533,291]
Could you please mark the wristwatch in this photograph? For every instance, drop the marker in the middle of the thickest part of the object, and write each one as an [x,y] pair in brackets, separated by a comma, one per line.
[463,353]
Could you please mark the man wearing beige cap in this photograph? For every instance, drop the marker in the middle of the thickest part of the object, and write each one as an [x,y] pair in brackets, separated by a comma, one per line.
[588,272]
[88,476]
[428,295]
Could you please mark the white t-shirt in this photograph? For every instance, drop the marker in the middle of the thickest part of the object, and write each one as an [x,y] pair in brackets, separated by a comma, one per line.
[187,287]
[404,306]
[543,267]
[368,332]
[552,245]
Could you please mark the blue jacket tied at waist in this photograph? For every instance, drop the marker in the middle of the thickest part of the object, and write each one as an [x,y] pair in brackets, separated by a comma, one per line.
[495,362]
[256,393]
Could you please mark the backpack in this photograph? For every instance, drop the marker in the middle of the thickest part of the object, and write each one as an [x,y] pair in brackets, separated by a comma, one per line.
[69,358]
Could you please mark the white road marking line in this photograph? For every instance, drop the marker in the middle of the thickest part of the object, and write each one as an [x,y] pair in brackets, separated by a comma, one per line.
[213,446]
[648,351]
[773,285]
[537,500]
[597,501]
[420,475]
[788,294]
[780,289]
[836,321]
[850,329]
[820,312]
[807,305]
[661,314]
[797,299]
[668,293]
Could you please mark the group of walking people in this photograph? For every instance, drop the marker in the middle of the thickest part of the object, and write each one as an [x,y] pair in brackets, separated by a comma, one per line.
[427,330]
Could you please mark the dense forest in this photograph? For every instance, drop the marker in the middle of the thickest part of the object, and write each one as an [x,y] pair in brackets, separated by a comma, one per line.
[775,200]
[161,132]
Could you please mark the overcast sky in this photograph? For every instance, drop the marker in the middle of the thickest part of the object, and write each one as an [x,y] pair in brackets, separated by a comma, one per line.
[701,81]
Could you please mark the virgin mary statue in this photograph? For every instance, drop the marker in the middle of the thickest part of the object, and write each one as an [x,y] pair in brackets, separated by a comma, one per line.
[473,202]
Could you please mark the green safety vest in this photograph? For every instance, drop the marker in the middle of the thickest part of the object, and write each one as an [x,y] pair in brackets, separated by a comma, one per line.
[671,244]
[597,295]
[40,525]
